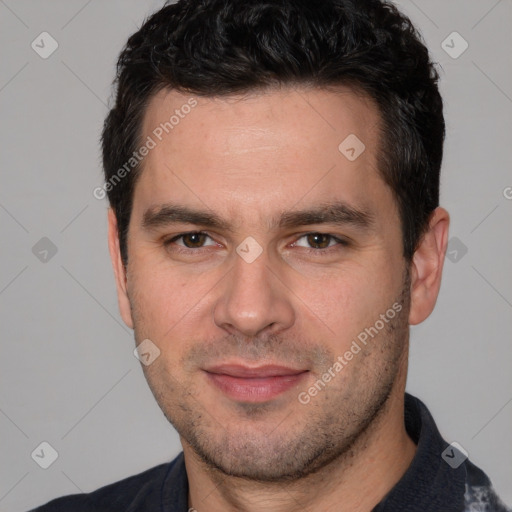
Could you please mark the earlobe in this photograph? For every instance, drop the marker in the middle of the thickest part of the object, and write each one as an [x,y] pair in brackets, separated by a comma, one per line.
[119,270]
[427,267]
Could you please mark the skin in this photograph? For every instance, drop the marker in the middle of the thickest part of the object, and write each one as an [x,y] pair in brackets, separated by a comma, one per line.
[248,159]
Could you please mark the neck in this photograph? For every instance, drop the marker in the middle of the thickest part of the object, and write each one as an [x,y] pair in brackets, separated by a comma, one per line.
[356,481]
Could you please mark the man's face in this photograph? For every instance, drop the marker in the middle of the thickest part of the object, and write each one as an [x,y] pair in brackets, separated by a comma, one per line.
[263,286]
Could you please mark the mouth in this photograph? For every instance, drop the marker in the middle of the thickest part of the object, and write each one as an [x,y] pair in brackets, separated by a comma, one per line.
[254,384]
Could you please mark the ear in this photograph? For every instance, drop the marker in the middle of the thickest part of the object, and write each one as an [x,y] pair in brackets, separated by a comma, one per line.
[119,269]
[427,267]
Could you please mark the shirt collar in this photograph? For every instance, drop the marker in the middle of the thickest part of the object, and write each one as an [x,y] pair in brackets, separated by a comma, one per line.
[430,483]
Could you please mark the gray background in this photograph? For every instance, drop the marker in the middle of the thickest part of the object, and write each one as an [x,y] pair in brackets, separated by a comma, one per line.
[68,374]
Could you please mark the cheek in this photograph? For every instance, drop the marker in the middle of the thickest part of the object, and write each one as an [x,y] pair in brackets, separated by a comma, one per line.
[152,298]
[344,302]
[167,300]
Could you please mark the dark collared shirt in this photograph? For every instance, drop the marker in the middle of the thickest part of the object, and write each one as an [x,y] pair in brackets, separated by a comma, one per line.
[439,479]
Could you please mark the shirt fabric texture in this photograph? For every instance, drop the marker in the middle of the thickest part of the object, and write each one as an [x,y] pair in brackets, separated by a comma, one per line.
[430,484]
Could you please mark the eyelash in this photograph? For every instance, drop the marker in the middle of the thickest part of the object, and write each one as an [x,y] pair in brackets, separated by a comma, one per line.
[318,252]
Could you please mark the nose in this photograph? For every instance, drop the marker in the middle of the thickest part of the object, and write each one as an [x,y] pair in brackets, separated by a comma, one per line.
[253,300]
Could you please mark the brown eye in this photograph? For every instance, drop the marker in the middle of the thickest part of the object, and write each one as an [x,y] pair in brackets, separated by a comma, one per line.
[193,240]
[319,240]
[320,243]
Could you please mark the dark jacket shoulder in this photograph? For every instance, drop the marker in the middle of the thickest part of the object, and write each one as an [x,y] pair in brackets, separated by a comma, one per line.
[127,495]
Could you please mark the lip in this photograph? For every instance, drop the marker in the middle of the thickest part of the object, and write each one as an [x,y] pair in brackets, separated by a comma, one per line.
[238,370]
[254,384]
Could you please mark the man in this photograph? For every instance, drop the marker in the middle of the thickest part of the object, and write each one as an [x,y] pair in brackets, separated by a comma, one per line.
[273,175]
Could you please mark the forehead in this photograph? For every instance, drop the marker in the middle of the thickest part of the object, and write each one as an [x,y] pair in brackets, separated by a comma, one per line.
[262,149]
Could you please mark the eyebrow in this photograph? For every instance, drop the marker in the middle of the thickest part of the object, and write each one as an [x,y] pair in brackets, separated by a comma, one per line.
[336,213]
